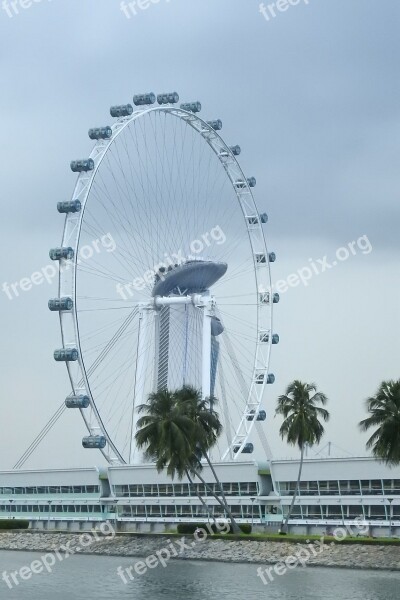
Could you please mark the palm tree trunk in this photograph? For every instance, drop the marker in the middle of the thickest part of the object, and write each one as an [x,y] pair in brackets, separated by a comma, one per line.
[235,526]
[210,514]
[284,528]
[225,506]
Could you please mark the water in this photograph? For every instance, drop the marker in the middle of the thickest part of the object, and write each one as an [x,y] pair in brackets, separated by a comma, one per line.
[96,578]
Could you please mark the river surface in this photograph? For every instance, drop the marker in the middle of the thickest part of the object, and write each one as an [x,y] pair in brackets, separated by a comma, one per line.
[96,578]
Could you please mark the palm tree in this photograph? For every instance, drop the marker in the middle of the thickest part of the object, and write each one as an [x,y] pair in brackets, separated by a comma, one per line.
[177,429]
[165,433]
[301,424]
[209,429]
[384,409]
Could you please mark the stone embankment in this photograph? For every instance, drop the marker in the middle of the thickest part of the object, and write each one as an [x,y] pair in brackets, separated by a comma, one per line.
[355,556]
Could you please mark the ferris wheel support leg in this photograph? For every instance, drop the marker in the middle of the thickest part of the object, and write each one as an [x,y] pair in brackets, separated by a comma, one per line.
[136,457]
[206,352]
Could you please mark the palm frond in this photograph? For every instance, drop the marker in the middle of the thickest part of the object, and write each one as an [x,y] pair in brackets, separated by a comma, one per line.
[301,413]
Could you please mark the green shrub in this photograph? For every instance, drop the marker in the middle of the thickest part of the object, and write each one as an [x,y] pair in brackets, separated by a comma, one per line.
[190,528]
[187,528]
[246,528]
[14,524]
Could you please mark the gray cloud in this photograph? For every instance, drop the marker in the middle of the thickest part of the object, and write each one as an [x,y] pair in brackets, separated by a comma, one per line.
[313,99]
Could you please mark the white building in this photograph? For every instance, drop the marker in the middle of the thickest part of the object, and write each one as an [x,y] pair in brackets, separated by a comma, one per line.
[333,492]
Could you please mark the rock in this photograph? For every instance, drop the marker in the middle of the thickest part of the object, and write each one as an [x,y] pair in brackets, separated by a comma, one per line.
[336,555]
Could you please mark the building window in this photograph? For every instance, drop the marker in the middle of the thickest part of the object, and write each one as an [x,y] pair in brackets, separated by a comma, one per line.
[332,511]
[365,486]
[353,511]
[354,487]
[184,511]
[167,510]
[376,486]
[314,512]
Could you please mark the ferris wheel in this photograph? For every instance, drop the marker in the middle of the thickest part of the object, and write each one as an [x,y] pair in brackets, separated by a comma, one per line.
[164,276]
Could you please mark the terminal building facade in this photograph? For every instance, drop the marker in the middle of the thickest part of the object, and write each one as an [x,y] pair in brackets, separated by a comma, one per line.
[333,492]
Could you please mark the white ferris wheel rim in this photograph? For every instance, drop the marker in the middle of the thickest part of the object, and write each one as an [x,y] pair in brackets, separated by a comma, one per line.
[69,321]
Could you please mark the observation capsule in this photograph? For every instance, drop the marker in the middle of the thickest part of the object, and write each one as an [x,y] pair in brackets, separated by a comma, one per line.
[236,150]
[72,206]
[82,165]
[261,416]
[264,337]
[66,355]
[260,258]
[66,253]
[122,110]
[77,402]
[172,98]
[94,442]
[144,99]
[247,448]
[100,133]
[193,107]
[216,125]
[60,304]
[250,182]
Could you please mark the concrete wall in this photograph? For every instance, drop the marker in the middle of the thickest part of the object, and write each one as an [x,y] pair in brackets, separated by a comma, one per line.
[333,468]
[146,474]
[49,477]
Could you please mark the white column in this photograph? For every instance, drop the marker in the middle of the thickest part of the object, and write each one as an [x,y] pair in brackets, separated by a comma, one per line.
[136,456]
[206,352]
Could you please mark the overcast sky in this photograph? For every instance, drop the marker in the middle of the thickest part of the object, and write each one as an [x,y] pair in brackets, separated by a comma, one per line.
[311,95]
